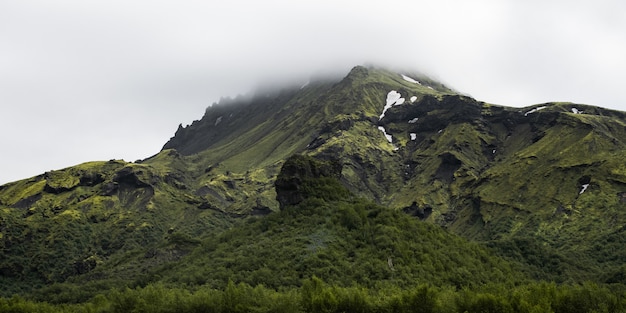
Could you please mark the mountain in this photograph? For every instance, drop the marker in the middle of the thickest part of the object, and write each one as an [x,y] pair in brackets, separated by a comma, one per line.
[547,177]
[411,165]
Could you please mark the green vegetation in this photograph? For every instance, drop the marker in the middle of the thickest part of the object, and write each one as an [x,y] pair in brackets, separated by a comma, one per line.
[294,200]
[316,296]
[342,241]
[95,222]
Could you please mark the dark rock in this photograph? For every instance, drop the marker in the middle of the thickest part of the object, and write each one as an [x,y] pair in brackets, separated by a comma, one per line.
[435,114]
[563,210]
[448,217]
[109,189]
[207,206]
[230,184]
[58,183]
[175,180]
[128,176]
[340,124]
[150,254]
[585,180]
[317,142]
[210,196]
[27,202]
[297,170]
[449,164]
[90,179]
[54,189]
[415,210]
[260,211]
[135,197]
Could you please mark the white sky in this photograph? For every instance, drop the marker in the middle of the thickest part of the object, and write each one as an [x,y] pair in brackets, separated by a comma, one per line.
[84,80]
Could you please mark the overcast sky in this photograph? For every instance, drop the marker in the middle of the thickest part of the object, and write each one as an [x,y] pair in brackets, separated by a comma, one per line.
[85,80]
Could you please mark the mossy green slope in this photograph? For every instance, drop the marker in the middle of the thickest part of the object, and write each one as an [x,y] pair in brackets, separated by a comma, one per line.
[90,218]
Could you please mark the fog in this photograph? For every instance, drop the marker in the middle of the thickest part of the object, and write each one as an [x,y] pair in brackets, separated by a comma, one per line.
[99,80]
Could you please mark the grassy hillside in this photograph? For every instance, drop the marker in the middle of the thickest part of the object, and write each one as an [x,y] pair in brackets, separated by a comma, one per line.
[97,219]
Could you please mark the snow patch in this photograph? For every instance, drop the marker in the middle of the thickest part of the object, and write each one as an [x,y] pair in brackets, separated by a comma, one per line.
[576,111]
[534,110]
[218,120]
[584,187]
[409,79]
[393,98]
[413,136]
[413,121]
[493,151]
[389,138]
[305,84]
[413,99]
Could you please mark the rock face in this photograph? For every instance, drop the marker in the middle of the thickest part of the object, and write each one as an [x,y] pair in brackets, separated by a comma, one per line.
[419,212]
[297,173]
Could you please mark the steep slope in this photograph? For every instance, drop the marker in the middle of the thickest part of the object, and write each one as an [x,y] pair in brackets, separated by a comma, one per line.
[547,177]
[549,173]
[247,140]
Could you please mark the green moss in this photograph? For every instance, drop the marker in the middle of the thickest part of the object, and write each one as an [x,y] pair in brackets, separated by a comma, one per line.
[73,214]
[21,190]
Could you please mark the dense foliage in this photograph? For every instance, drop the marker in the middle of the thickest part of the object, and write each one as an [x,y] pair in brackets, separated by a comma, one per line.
[316,296]
[342,242]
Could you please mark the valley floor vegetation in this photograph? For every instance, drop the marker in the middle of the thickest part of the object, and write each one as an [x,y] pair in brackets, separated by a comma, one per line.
[316,296]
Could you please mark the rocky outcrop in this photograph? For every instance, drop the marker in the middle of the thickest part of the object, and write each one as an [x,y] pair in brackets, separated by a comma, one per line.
[420,212]
[297,174]
[66,180]
[60,181]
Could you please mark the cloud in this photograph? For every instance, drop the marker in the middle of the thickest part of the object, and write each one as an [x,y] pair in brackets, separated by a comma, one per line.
[86,80]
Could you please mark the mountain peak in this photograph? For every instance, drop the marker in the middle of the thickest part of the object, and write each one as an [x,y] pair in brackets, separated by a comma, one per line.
[362,91]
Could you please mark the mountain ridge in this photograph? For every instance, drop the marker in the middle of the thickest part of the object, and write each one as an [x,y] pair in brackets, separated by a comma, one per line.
[443,162]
